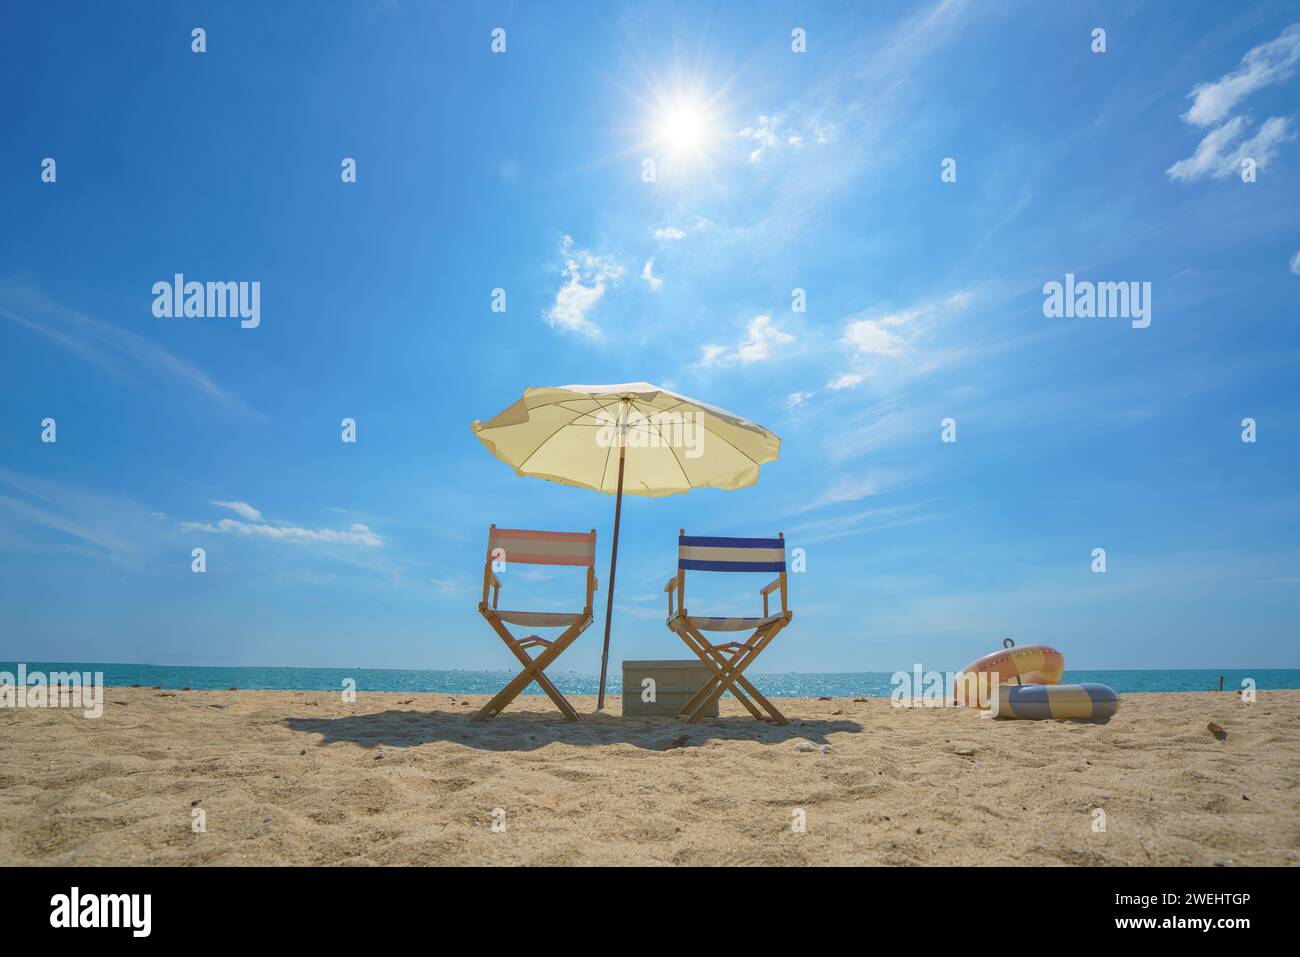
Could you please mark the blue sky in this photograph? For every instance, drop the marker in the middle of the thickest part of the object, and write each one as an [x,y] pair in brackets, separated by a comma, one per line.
[775,170]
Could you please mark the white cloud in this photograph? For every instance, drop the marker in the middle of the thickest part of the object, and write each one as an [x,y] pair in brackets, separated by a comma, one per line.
[1216,155]
[797,399]
[873,337]
[1217,158]
[870,337]
[712,355]
[757,346]
[1295,264]
[768,136]
[356,534]
[892,335]
[861,522]
[880,429]
[764,133]
[1262,66]
[242,509]
[902,318]
[669,234]
[588,276]
[1210,156]
[845,380]
[853,488]
[762,337]
[647,273]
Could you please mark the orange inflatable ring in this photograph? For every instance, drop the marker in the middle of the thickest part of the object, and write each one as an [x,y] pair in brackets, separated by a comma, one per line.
[1031,664]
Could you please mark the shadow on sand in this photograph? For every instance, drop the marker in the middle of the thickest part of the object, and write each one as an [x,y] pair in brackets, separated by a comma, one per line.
[527,732]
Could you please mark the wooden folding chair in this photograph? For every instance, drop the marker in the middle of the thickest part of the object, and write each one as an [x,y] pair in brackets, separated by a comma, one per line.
[728,661]
[521,546]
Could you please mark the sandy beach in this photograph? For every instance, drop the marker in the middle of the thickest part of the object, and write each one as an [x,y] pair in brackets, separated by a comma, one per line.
[288,777]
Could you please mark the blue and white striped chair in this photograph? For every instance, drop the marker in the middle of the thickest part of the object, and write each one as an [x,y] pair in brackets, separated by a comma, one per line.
[728,660]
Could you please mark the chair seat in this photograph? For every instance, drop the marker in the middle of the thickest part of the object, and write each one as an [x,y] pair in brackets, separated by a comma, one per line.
[538,619]
[730,624]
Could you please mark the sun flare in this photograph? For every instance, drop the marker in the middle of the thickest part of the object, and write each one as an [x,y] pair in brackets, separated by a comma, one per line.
[683,128]
[686,127]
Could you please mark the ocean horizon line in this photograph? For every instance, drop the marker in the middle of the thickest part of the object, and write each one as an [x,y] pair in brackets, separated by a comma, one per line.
[813,684]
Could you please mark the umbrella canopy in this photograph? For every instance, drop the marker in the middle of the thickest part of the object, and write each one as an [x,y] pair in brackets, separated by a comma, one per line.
[632,437]
[570,434]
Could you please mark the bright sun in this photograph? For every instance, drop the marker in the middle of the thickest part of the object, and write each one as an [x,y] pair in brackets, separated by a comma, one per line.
[683,128]
[686,128]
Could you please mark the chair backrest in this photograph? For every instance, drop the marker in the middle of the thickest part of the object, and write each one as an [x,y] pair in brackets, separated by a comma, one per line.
[707,553]
[527,547]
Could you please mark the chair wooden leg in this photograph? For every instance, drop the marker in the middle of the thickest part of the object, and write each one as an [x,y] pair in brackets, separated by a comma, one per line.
[533,668]
[754,693]
[536,666]
[694,709]
[777,716]
[714,660]
[764,637]
[501,699]
[705,651]
[526,660]
[724,665]
[521,681]
[743,682]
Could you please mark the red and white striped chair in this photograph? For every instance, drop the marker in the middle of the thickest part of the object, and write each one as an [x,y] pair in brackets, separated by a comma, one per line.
[728,660]
[524,547]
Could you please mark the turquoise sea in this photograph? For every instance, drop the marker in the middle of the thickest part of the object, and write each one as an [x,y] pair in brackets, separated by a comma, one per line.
[791,685]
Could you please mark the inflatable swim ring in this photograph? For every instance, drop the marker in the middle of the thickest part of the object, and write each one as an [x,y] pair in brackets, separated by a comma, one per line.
[1032,664]
[1055,701]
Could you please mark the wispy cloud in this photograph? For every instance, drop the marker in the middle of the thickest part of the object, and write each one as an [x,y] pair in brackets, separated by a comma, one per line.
[873,336]
[1221,151]
[125,355]
[1295,263]
[768,136]
[864,521]
[764,134]
[669,234]
[877,429]
[853,488]
[242,509]
[449,586]
[1262,66]
[587,276]
[801,150]
[84,522]
[355,534]
[1216,155]
[648,274]
[845,380]
[762,336]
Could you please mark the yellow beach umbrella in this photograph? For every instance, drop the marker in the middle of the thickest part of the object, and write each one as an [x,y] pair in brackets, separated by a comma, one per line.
[632,437]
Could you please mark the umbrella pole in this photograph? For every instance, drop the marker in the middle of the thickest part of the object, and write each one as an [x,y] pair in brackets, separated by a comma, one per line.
[613,561]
